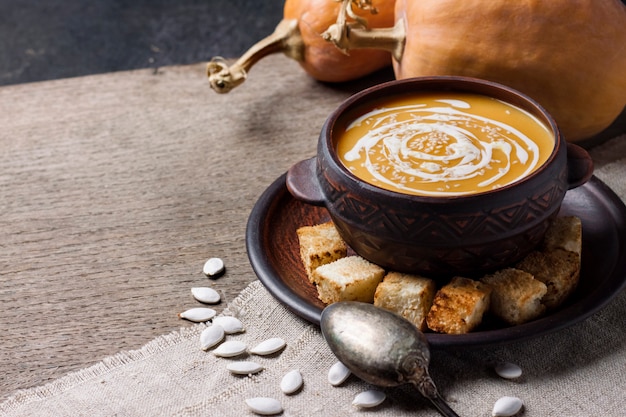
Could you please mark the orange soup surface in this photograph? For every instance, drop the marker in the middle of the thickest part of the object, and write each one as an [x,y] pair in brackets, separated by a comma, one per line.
[444,144]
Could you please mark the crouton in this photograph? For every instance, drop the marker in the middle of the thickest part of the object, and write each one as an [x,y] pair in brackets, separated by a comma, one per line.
[320,245]
[459,306]
[407,295]
[564,233]
[516,296]
[558,269]
[347,279]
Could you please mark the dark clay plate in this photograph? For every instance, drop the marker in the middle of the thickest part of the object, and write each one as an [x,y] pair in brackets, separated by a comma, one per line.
[273,251]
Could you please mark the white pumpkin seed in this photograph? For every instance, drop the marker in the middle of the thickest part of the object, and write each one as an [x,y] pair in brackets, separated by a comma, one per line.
[291,382]
[264,406]
[269,346]
[244,367]
[508,370]
[507,406]
[213,267]
[230,348]
[211,336]
[198,314]
[230,324]
[338,373]
[369,398]
[205,295]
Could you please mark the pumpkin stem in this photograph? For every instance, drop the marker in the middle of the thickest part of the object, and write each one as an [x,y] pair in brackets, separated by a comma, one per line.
[356,35]
[285,38]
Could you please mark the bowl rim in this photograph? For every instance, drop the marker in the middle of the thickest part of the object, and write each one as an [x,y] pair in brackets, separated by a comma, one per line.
[399,87]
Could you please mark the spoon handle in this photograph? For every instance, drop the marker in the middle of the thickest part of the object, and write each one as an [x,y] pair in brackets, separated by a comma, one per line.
[443,407]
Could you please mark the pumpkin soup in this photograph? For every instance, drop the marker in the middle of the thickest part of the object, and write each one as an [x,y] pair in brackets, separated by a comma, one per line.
[444,144]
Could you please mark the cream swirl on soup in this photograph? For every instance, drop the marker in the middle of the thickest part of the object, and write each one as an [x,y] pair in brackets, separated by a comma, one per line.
[444,144]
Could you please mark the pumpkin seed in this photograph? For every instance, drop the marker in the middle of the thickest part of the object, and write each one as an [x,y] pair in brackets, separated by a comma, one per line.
[507,406]
[244,367]
[338,373]
[230,324]
[508,370]
[230,348]
[264,406]
[213,268]
[291,382]
[198,314]
[369,398]
[205,295]
[269,346]
[211,336]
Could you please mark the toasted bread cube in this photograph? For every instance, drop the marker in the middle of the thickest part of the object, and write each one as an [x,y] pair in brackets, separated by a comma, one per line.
[516,296]
[348,279]
[407,295]
[320,245]
[564,233]
[559,269]
[459,306]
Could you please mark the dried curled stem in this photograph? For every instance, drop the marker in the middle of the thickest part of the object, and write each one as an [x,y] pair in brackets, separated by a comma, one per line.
[355,34]
[348,9]
[285,38]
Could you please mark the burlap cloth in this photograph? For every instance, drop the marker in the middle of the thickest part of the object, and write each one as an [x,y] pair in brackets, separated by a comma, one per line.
[579,371]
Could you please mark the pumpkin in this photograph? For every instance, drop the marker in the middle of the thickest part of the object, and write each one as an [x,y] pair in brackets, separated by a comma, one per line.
[298,35]
[569,55]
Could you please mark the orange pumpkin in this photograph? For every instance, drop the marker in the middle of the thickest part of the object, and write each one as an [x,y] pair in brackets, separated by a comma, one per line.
[298,36]
[569,55]
[323,61]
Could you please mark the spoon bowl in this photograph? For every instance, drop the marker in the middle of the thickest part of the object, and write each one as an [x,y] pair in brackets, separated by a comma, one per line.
[380,347]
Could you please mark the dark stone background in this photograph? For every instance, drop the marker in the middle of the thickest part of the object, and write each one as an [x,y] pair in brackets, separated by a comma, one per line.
[49,39]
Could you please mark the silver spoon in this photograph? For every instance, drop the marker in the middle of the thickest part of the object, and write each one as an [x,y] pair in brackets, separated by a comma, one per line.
[381,348]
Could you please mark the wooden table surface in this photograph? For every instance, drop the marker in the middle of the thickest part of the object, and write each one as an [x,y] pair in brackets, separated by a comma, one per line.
[114,191]
[116,188]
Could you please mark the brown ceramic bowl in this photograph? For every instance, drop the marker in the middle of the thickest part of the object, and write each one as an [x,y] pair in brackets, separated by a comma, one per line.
[438,236]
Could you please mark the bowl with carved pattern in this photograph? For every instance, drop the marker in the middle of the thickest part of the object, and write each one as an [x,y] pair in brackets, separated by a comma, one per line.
[415,174]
